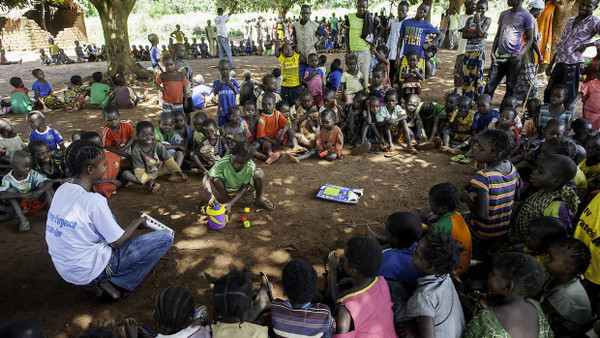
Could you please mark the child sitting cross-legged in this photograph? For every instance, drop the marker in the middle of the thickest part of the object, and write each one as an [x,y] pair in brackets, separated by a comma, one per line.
[125,96]
[43,93]
[19,98]
[442,217]
[210,149]
[235,176]
[412,107]
[151,160]
[44,162]
[329,142]
[391,118]
[24,189]
[237,129]
[273,129]
[370,132]
[556,197]
[100,92]
[75,94]
[402,231]
[514,276]
[39,131]
[300,315]
[494,188]
[435,304]
[364,306]
[543,232]
[118,136]
[460,128]
[564,300]
[329,102]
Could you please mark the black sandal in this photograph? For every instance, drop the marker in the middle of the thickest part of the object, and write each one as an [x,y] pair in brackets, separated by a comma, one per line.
[264,283]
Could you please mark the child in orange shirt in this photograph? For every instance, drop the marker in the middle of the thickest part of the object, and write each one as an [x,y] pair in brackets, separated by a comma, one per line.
[117,135]
[329,142]
[109,183]
[273,129]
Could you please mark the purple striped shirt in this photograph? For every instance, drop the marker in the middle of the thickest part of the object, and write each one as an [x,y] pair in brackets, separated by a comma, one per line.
[313,320]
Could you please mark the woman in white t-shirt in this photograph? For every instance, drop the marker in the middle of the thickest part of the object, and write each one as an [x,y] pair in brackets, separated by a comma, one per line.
[85,242]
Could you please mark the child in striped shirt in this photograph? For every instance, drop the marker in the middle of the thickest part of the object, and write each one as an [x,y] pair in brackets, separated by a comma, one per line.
[495,188]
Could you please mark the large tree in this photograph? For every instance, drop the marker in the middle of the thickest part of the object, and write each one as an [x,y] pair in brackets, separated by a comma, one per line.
[114,15]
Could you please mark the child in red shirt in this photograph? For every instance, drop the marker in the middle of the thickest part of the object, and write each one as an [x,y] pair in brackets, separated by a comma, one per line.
[117,136]
[109,183]
[174,84]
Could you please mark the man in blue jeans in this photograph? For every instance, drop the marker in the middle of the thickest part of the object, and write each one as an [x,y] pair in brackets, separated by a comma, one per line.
[508,50]
[222,39]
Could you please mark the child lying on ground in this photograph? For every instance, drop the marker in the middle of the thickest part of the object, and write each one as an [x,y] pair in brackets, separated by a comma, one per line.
[24,189]
[329,142]
[151,160]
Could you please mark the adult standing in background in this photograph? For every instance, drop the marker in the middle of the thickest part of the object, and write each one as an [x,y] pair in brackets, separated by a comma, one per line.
[334,26]
[453,26]
[308,35]
[470,6]
[222,38]
[394,27]
[359,40]
[444,24]
[210,36]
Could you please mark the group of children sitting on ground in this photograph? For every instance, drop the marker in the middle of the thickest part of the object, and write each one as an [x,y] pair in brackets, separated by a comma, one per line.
[57,55]
[516,256]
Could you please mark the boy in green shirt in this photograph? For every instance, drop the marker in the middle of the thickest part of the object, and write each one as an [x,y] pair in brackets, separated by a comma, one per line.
[235,176]
[19,98]
[100,93]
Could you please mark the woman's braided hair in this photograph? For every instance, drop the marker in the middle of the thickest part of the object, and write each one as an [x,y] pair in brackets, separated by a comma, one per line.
[174,309]
[79,153]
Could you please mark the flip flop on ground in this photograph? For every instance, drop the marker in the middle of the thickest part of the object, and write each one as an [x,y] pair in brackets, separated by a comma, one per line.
[392,153]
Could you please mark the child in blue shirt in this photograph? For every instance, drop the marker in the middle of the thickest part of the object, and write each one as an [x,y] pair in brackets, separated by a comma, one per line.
[50,135]
[485,115]
[402,231]
[334,77]
[43,92]
[227,88]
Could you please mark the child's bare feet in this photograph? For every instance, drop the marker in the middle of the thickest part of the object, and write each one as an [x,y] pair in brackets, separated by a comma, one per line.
[274,157]
[268,205]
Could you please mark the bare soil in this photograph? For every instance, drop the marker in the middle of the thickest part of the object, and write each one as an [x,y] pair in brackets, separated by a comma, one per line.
[301,226]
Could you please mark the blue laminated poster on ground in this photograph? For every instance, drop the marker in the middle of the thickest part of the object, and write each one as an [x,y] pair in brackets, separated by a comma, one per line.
[340,194]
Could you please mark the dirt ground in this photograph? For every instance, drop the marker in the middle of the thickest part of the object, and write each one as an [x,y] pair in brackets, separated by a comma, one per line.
[301,226]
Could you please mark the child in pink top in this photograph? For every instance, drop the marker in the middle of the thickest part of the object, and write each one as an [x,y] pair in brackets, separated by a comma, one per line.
[366,305]
[313,77]
[590,95]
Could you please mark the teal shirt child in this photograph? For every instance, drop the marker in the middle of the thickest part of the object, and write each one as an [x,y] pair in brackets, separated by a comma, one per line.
[20,101]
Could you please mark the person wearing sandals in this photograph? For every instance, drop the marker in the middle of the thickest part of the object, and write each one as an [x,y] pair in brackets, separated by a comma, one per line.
[87,245]
[235,176]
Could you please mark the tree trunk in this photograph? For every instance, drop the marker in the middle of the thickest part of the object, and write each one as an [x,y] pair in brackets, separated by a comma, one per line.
[458,4]
[281,10]
[114,15]
[565,9]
